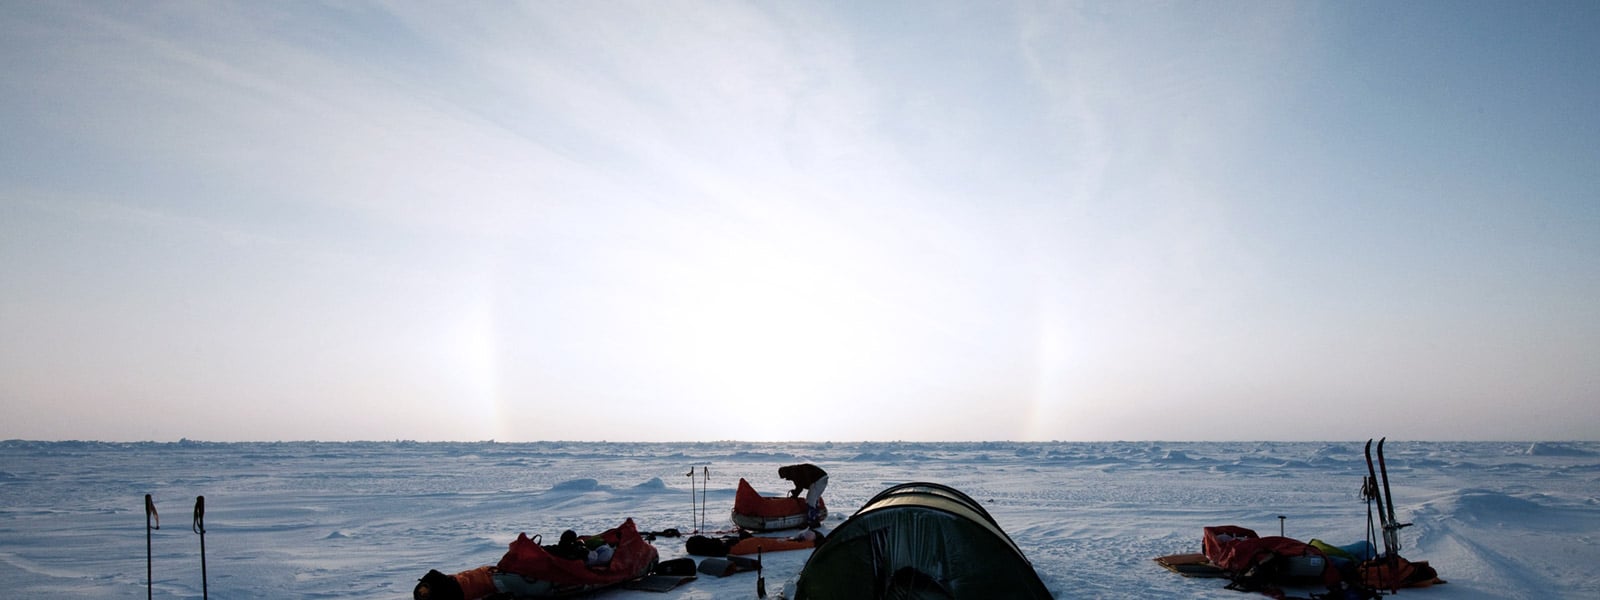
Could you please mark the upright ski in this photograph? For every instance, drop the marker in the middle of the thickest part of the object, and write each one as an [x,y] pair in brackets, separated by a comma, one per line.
[1391,525]
[1374,495]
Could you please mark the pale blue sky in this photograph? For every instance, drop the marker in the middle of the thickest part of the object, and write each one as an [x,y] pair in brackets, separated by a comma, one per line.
[800,221]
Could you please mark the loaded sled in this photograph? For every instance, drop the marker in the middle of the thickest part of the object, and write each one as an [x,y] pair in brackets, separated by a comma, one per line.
[1261,564]
[532,570]
[756,512]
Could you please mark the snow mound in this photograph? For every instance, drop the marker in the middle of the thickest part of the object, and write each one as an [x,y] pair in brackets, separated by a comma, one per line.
[1554,449]
[1333,451]
[1486,507]
[1176,456]
[885,457]
[577,485]
[1484,503]
[655,483]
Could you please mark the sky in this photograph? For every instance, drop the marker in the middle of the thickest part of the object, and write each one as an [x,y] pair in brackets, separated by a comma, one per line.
[681,221]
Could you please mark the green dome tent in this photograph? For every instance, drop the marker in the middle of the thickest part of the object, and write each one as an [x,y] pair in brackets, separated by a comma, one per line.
[914,541]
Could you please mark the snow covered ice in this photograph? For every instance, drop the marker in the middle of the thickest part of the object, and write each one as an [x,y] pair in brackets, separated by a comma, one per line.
[366,520]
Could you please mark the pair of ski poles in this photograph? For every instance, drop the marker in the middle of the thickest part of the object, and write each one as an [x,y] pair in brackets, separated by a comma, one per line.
[152,522]
[697,510]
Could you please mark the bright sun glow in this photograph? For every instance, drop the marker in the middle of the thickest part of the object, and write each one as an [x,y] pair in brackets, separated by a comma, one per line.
[773,337]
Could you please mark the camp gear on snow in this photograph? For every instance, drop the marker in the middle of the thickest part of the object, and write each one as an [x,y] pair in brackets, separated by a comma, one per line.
[758,544]
[601,555]
[1346,556]
[697,506]
[633,557]
[1395,572]
[1190,565]
[466,585]
[529,570]
[744,544]
[919,540]
[667,574]
[700,545]
[1353,571]
[1389,571]
[676,566]
[668,532]
[1253,561]
[723,566]
[1377,494]
[755,512]
[569,547]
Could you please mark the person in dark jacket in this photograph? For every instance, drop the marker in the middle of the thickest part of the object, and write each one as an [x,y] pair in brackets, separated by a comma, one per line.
[811,479]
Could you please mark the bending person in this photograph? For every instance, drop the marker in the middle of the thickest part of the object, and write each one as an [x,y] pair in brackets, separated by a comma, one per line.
[811,479]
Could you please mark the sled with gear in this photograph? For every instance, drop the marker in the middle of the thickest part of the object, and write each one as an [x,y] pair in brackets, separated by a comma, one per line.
[531,570]
[919,540]
[1390,571]
[756,512]
[1254,563]
[1355,571]
[1193,564]
[746,543]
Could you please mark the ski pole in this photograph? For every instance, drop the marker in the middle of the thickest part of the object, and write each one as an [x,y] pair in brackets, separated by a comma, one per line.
[149,569]
[694,506]
[705,484]
[761,579]
[200,528]
[1280,525]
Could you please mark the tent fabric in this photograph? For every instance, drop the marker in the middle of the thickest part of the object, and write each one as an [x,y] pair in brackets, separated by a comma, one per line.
[632,558]
[919,540]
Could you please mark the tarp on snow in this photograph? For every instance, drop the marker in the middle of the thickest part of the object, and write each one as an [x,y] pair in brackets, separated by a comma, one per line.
[919,540]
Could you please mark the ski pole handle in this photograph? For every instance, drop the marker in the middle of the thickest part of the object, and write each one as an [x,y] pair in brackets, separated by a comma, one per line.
[149,556]
[150,513]
[200,528]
